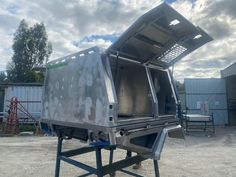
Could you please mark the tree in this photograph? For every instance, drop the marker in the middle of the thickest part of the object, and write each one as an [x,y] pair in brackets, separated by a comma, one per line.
[3,77]
[31,48]
[179,86]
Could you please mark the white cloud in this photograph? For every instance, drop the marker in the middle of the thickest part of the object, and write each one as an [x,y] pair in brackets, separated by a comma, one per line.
[74,20]
[218,19]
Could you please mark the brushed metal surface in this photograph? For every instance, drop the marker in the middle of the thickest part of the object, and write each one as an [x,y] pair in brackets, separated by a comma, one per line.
[133,91]
[75,89]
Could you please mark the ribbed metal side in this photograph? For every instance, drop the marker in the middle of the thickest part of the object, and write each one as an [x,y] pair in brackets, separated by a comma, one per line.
[210,90]
[204,86]
[31,94]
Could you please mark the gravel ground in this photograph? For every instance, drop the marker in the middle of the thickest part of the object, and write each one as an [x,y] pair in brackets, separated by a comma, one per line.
[198,155]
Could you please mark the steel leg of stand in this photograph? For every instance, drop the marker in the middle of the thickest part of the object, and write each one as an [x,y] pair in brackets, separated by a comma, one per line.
[110,162]
[128,154]
[99,162]
[58,161]
[111,156]
[156,168]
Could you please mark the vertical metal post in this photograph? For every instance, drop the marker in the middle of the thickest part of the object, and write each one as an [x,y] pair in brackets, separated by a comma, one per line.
[58,161]
[213,124]
[99,162]
[111,156]
[153,92]
[111,160]
[156,168]
[128,154]
[186,124]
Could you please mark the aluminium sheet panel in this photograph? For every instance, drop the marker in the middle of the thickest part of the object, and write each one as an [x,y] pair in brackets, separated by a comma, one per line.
[162,36]
[75,90]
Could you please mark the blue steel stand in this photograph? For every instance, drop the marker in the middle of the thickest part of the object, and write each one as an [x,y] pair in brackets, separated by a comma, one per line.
[101,170]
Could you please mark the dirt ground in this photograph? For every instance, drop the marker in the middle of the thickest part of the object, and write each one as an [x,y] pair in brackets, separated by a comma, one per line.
[197,156]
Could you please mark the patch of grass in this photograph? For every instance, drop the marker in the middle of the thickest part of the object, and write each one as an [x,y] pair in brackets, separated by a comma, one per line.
[27,128]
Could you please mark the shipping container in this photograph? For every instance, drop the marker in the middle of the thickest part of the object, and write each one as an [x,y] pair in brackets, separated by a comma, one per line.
[28,95]
[210,90]
[205,86]
[229,75]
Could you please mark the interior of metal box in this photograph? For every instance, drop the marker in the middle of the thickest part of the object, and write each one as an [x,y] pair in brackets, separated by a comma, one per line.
[134,94]
[163,92]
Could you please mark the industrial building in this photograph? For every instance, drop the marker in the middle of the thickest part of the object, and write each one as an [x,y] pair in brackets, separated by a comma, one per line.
[219,93]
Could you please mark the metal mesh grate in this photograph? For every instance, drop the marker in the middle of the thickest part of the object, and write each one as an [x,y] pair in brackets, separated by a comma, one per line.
[172,53]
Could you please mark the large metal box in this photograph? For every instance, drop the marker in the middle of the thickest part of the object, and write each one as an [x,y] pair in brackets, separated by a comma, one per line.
[125,95]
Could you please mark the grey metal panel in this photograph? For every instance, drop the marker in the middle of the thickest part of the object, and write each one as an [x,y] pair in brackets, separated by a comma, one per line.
[76,90]
[133,91]
[229,71]
[220,116]
[211,90]
[205,86]
[231,98]
[215,101]
[25,93]
[162,36]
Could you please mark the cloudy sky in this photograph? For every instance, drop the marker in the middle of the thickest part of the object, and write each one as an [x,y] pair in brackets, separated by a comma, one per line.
[79,24]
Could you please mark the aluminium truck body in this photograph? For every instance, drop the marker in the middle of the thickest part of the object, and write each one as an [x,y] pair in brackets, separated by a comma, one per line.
[126,95]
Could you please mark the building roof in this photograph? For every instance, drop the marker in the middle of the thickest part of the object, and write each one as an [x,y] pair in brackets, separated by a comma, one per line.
[229,71]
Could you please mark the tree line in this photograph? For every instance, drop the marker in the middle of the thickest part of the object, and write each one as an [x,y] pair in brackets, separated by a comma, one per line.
[31,48]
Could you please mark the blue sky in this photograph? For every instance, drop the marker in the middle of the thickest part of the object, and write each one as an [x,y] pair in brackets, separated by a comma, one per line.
[77,25]
[170,1]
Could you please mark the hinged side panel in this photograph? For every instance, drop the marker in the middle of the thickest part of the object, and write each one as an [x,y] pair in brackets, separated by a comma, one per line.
[162,37]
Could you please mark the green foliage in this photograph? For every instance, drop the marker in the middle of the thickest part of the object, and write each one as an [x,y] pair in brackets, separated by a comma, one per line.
[27,128]
[3,77]
[179,86]
[31,48]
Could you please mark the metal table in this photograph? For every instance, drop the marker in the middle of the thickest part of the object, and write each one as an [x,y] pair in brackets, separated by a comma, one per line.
[199,122]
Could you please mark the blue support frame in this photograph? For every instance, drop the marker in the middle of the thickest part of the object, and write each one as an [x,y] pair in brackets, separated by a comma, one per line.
[100,170]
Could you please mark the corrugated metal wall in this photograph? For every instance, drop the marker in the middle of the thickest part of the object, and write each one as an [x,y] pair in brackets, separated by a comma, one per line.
[231,98]
[211,90]
[25,93]
[205,86]
[182,100]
